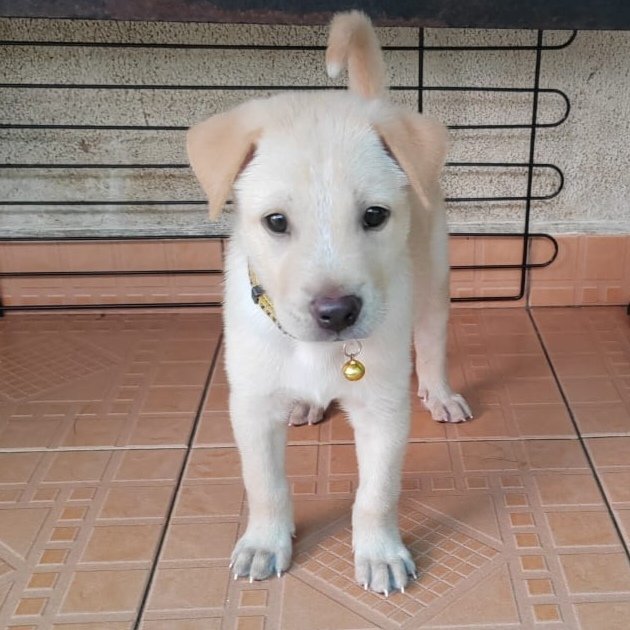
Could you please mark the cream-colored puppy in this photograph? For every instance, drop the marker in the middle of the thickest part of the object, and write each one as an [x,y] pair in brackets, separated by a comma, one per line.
[339,236]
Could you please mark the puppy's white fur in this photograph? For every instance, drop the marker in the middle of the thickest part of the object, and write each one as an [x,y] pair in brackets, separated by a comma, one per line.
[321,159]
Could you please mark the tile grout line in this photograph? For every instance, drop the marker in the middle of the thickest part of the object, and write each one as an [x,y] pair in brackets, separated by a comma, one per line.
[346,442]
[580,438]
[178,484]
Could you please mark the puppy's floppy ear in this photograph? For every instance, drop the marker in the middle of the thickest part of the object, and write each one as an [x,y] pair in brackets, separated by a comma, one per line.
[218,150]
[419,145]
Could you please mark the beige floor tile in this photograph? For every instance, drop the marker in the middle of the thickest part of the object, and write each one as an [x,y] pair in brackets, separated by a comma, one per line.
[503,514]
[590,351]
[611,457]
[72,553]
[496,361]
[505,534]
[82,381]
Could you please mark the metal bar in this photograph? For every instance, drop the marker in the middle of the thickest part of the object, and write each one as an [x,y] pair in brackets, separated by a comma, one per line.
[143,202]
[110,272]
[265,88]
[110,238]
[421,50]
[87,165]
[283,47]
[100,307]
[174,165]
[190,272]
[529,265]
[507,165]
[95,127]
[128,202]
[564,44]
[420,88]
[532,157]
[486,298]
[524,266]
[70,127]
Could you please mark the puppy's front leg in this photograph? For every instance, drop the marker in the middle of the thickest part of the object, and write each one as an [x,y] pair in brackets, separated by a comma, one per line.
[432,305]
[382,562]
[430,333]
[260,431]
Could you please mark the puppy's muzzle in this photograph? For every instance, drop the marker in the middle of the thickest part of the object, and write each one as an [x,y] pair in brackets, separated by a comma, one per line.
[336,313]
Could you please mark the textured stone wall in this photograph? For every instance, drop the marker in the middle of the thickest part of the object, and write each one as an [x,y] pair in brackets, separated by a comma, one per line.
[591,148]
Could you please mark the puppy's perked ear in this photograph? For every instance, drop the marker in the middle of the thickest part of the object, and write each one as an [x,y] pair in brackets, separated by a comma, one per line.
[218,150]
[419,145]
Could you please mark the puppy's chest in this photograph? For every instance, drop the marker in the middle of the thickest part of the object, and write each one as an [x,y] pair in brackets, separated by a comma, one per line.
[314,374]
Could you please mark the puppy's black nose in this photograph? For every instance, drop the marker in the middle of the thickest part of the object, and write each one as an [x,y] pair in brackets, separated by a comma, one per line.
[336,313]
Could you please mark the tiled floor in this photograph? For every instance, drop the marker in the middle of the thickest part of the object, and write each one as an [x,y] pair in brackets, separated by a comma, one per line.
[109,520]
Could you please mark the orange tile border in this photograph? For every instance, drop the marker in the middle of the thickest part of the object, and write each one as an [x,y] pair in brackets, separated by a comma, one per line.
[169,255]
[590,269]
[466,250]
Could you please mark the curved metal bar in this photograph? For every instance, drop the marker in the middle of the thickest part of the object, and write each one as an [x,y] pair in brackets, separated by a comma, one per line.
[109,307]
[531,236]
[110,239]
[523,165]
[567,107]
[297,48]
[564,44]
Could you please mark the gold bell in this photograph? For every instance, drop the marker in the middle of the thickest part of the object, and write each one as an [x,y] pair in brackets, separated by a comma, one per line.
[353,370]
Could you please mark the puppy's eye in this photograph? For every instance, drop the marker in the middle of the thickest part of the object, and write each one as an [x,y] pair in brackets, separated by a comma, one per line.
[375,217]
[277,222]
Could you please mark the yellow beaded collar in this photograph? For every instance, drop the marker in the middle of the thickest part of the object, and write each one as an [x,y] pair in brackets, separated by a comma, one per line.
[261,298]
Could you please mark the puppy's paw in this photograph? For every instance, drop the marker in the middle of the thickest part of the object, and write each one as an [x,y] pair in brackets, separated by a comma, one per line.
[303,413]
[446,407]
[261,554]
[383,564]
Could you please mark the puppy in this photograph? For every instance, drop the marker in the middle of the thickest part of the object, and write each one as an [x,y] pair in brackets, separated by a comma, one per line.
[338,255]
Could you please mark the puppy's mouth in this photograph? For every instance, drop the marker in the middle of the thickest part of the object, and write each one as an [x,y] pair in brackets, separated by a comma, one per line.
[320,336]
[304,327]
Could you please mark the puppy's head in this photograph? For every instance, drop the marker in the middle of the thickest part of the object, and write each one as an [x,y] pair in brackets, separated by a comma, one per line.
[324,186]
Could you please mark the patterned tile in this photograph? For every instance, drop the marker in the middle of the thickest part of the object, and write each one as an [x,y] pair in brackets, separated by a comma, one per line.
[505,533]
[590,351]
[458,556]
[611,456]
[58,361]
[78,533]
[78,381]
